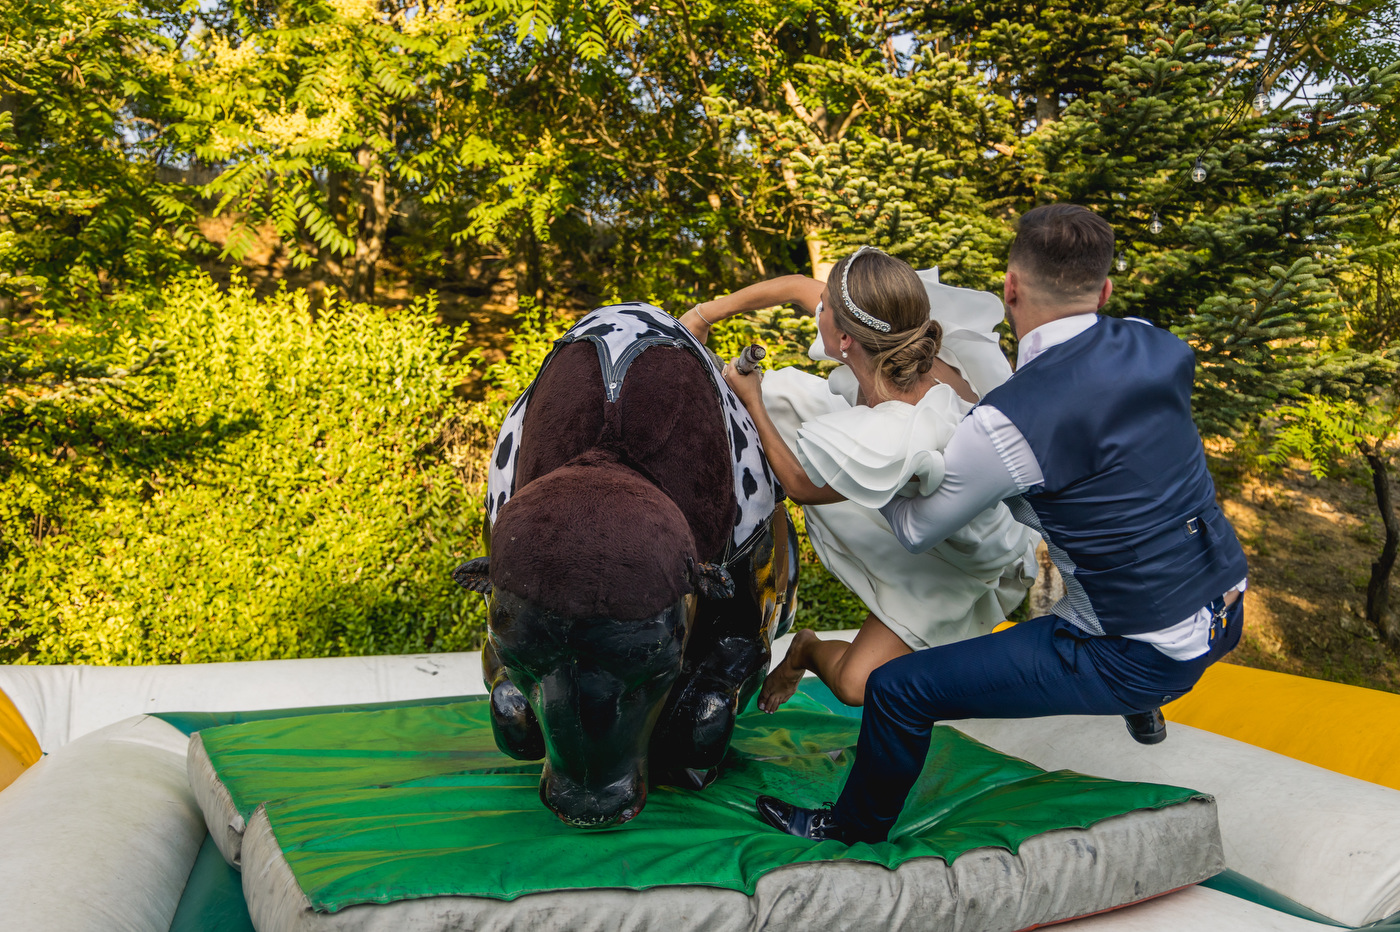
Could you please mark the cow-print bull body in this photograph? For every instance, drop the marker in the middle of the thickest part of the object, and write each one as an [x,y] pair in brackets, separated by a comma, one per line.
[641,565]
[621,333]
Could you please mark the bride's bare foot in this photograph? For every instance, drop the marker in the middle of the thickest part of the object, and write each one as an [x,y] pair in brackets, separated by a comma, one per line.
[783,679]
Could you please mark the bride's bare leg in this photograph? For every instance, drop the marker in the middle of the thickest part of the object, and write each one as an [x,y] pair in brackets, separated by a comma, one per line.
[843,667]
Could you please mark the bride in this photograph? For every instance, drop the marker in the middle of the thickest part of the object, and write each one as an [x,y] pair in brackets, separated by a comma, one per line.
[915,357]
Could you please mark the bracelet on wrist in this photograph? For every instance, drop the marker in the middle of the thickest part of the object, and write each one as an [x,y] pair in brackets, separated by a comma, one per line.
[708,323]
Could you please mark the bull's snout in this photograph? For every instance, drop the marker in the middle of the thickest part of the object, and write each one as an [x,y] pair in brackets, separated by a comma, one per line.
[584,806]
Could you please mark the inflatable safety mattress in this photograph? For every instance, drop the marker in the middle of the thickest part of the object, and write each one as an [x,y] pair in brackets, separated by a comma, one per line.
[409,818]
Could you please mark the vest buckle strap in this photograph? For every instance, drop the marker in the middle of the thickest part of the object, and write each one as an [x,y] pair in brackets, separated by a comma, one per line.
[1178,533]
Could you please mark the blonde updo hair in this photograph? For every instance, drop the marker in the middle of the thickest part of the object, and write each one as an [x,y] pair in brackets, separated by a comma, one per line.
[888,289]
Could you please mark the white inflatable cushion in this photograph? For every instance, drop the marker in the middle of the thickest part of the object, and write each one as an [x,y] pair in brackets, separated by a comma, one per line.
[1328,841]
[100,835]
[1195,909]
[61,703]
[221,816]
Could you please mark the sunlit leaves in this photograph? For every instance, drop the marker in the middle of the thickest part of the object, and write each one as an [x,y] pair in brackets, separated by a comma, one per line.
[77,151]
[319,117]
[260,483]
[1327,433]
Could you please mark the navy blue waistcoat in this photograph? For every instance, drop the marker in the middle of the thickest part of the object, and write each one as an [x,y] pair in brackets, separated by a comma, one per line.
[1127,504]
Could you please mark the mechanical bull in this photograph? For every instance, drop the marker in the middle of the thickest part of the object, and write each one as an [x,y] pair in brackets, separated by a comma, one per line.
[640,565]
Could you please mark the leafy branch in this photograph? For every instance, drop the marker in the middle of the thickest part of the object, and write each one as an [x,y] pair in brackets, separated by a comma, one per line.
[1327,433]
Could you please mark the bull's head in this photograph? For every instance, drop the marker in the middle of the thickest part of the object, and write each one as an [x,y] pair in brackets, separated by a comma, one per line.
[596,686]
[591,598]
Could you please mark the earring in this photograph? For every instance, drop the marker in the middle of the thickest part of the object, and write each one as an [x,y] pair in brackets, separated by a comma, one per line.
[844,354]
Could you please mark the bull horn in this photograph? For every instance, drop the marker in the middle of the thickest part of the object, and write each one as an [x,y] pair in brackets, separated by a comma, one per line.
[473,577]
[712,579]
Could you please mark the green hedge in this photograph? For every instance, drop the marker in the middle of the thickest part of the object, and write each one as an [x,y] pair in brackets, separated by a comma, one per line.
[278,484]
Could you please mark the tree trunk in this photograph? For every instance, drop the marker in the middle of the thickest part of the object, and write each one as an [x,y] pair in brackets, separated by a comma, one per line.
[530,271]
[813,234]
[1378,589]
[752,254]
[1047,107]
[820,256]
[360,204]
[373,225]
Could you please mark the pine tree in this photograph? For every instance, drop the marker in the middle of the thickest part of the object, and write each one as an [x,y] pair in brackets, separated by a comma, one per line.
[1245,264]
[1255,209]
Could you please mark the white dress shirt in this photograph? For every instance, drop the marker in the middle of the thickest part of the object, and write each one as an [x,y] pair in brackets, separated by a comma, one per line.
[989,460]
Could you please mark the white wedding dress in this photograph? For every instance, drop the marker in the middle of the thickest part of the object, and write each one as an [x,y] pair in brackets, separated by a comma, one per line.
[964,586]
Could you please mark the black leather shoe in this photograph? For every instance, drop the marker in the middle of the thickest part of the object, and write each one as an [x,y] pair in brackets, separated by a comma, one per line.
[1147,727]
[816,824]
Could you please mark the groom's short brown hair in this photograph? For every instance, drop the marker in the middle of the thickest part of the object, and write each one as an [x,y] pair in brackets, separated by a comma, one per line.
[1066,249]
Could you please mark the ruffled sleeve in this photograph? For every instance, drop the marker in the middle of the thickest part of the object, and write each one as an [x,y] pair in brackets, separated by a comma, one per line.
[870,455]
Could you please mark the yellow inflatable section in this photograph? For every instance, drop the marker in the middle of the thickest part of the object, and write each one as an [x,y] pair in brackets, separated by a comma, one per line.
[1347,729]
[18,748]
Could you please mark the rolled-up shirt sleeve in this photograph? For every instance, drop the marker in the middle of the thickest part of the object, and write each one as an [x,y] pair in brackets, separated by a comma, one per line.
[986,461]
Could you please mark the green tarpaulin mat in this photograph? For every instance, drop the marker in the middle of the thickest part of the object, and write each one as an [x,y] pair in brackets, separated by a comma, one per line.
[390,804]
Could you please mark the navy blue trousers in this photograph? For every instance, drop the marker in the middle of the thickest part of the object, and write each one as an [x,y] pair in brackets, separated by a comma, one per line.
[1044,666]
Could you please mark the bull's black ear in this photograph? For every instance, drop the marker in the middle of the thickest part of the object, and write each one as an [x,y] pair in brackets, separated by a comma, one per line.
[711,579]
[473,577]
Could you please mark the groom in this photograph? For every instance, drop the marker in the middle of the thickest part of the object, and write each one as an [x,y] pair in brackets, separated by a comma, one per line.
[1091,443]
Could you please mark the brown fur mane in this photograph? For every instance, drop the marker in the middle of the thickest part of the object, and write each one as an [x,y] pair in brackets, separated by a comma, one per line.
[612,498]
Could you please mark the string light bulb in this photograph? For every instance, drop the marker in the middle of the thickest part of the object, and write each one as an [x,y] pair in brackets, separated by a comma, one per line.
[1121,262]
[1198,171]
[1261,97]
[1156,225]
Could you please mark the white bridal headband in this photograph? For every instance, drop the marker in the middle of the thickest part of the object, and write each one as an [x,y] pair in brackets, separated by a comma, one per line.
[870,320]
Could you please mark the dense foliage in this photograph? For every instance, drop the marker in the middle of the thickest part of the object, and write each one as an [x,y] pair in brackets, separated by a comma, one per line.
[235,480]
[217,478]
[190,472]
[1118,112]
[79,180]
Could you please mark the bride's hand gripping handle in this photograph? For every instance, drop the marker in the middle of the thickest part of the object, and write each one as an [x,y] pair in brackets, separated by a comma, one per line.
[750,358]
[744,376]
